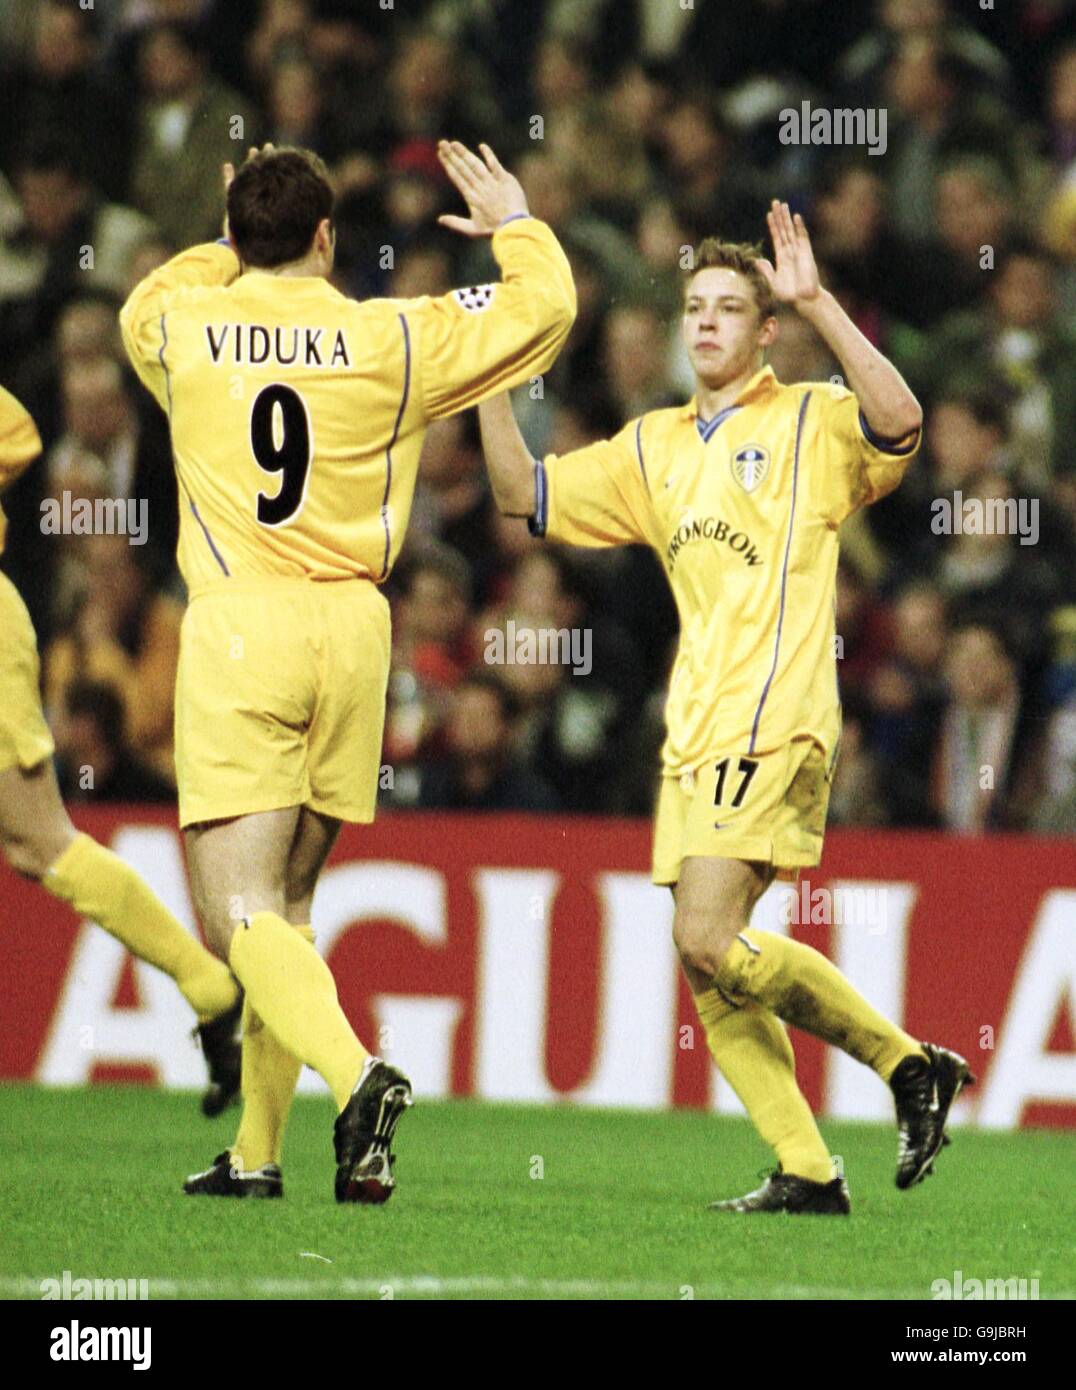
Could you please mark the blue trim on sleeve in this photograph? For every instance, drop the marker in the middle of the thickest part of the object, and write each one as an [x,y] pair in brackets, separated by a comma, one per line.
[784,575]
[175,462]
[512,217]
[887,446]
[164,368]
[392,441]
[639,451]
[537,523]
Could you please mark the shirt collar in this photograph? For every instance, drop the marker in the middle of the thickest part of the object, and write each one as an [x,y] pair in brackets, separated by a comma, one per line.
[761,384]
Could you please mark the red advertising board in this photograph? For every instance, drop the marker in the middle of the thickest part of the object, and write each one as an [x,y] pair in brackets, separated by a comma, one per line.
[529,958]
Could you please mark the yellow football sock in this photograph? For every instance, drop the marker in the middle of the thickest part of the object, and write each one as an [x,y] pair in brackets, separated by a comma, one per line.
[800,985]
[292,989]
[98,884]
[270,1075]
[753,1053]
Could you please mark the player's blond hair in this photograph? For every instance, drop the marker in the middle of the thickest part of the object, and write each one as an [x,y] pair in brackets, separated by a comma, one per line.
[740,256]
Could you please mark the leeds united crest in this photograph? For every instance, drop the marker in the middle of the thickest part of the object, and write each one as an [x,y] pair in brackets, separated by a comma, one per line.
[750,465]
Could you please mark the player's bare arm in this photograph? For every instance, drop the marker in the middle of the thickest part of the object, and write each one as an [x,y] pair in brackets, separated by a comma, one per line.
[888,406]
[509,461]
[491,193]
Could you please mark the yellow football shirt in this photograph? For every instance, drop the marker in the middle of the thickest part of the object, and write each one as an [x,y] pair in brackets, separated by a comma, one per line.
[20,444]
[743,512]
[297,415]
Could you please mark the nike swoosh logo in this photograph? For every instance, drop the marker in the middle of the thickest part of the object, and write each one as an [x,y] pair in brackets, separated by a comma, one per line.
[934,1099]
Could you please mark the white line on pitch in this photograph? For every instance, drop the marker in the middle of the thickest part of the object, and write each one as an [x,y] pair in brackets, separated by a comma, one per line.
[448,1286]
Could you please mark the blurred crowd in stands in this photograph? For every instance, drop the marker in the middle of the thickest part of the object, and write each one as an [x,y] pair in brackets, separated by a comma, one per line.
[637,127]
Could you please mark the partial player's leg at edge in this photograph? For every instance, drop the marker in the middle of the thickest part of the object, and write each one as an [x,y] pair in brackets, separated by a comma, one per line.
[39,842]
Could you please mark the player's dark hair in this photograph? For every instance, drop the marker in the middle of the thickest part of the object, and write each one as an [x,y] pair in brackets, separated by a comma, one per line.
[275,204]
[733,255]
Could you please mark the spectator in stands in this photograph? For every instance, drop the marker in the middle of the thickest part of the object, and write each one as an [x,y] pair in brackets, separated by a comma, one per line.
[433,88]
[63,238]
[563,79]
[608,163]
[989,571]
[906,695]
[975,211]
[480,771]
[1018,333]
[701,171]
[431,650]
[863,65]
[89,327]
[799,354]
[452,501]
[1057,814]
[935,113]
[112,433]
[663,237]
[94,760]
[298,111]
[863,628]
[57,89]
[1061,109]
[281,32]
[124,635]
[150,253]
[423,266]
[966,434]
[988,766]
[579,698]
[189,124]
[553,196]
[636,360]
[856,794]
[416,190]
[866,254]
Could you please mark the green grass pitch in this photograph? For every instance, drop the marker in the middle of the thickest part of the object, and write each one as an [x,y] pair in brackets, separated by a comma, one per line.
[91,1185]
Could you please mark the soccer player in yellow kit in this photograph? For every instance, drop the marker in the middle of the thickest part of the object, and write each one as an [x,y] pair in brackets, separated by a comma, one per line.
[297,418]
[741,493]
[39,841]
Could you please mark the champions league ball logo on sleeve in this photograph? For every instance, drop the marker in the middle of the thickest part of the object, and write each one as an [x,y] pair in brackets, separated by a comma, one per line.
[475,298]
[750,466]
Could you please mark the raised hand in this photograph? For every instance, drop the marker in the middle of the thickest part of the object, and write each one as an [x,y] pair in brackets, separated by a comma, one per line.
[489,190]
[793,277]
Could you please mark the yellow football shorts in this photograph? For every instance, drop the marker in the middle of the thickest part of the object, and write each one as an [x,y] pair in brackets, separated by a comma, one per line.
[280,697]
[770,809]
[25,740]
